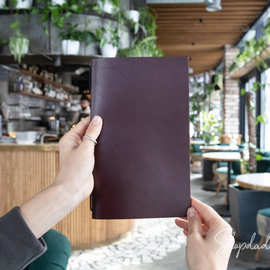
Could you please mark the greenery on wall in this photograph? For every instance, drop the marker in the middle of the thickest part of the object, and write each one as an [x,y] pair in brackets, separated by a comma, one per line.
[144,38]
[253,50]
[145,42]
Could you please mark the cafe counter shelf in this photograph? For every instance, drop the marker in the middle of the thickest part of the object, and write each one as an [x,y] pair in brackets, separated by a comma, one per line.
[27,169]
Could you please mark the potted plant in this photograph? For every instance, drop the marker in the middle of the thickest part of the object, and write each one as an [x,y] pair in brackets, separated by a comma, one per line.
[71,40]
[18,42]
[22,4]
[90,40]
[132,15]
[143,48]
[108,40]
[58,2]
[108,6]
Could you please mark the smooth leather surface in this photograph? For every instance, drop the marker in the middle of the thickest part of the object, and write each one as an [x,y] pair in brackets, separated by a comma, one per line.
[142,155]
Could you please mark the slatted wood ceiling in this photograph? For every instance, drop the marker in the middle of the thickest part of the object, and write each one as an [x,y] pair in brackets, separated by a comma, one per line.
[189,30]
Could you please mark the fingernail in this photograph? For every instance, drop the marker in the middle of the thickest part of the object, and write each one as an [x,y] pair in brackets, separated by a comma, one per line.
[96,120]
[191,212]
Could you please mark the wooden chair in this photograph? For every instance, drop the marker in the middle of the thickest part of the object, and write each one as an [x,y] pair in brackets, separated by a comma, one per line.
[225,139]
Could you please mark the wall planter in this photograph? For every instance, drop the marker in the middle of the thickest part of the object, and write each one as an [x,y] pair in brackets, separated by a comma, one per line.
[2,3]
[133,15]
[247,67]
[108,50]
[245,204]
[70,47]
[24,4]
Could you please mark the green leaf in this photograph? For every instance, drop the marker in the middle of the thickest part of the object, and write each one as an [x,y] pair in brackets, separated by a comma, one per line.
[243,91]
[260,119]
[259,157]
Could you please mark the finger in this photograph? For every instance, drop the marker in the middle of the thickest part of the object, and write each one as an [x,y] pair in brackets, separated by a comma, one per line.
[186,232]
[80,128]
[194,222]
[93,130]
[73,137]
[207,213]
[182,223]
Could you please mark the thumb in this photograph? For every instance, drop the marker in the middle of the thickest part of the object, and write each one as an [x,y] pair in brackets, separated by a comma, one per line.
[93,130]
[194,222]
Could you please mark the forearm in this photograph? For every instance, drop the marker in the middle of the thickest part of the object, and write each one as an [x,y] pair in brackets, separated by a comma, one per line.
[48,207]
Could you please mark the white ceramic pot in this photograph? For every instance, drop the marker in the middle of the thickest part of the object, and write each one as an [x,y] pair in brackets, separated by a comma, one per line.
[58,2]
[107,6]
[2,3]
[91,49]
[133,15]
[108,50]
[70,47]
[24,4]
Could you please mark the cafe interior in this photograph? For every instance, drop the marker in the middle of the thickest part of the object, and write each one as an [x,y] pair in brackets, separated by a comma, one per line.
[46,51]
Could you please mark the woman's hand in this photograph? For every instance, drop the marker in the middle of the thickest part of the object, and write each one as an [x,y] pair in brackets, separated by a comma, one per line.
[77,156]
[209,238]
[73,184]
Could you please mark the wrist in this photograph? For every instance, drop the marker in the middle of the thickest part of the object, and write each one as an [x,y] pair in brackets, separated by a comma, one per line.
[71,190]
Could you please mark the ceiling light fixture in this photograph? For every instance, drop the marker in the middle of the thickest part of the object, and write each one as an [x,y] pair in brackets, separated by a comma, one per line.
[213,5]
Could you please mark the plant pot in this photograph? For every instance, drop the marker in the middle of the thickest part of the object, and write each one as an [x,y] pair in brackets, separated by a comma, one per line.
[58,2]
[91,49]
[24,4]
[18,46]
[70,47]
[133,15]
[108,50]
[107,6]
[2,3]
[244,205]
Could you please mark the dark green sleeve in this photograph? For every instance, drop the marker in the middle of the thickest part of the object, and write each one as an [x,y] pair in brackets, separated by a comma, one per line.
[18,245]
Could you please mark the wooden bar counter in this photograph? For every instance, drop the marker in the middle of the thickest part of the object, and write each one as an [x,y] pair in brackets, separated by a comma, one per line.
[27,169]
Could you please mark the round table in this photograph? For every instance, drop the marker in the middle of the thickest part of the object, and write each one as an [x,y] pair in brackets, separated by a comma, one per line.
[229,157]
[218,148]
[257,181]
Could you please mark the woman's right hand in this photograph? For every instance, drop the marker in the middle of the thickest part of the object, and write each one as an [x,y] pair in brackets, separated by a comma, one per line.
[209,238]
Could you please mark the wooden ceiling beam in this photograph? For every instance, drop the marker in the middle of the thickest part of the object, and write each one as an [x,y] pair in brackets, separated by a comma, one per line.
[181,32]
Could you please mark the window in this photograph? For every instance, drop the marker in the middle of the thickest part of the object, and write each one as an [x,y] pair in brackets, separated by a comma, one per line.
[265,110]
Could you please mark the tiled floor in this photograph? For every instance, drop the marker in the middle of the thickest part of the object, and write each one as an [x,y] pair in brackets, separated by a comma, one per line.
[162,247]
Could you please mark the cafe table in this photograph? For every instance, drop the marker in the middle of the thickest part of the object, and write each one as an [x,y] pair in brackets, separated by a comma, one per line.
[229,157]
[256,181]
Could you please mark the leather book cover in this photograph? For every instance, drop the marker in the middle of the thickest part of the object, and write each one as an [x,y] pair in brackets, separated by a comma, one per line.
[142,155]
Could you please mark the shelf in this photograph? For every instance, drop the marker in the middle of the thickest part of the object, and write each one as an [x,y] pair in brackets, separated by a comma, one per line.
[47,81]
[67,62]
[103,15]
[37,96]
[249,66]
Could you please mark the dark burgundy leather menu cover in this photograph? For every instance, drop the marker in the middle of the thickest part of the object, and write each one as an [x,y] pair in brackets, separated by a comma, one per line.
[142,155]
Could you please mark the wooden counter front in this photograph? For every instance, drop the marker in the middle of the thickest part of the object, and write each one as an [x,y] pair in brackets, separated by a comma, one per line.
[27,169]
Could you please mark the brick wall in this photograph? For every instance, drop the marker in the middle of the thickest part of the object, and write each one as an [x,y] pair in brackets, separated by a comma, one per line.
[230,101]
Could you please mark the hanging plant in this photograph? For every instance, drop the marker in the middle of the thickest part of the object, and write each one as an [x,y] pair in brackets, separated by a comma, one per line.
[18,42]
[253,49]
